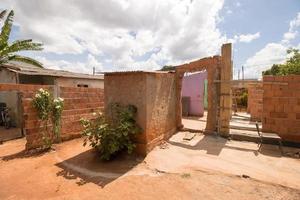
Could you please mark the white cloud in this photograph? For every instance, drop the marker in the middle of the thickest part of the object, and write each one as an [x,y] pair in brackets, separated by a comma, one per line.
[272,53]
[120,31]
[295,23]
[292,32]
[93,62]
[246,38]
[289,36]
[86,68]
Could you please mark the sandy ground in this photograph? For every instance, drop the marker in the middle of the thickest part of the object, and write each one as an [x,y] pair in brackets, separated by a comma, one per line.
[203,168]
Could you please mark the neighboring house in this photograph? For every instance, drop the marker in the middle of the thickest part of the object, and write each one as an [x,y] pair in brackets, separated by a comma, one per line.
[193,88]
[26,74]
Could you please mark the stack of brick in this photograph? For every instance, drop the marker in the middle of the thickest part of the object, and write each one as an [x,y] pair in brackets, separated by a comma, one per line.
[255,101]
[281,106]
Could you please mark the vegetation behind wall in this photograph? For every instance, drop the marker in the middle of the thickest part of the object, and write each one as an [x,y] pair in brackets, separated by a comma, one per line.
[291,66]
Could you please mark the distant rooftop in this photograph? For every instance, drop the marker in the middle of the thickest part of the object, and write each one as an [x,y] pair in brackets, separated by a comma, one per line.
[35,71]
[136,72]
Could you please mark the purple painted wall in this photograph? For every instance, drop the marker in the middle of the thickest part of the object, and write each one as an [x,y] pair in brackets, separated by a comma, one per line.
[193,87]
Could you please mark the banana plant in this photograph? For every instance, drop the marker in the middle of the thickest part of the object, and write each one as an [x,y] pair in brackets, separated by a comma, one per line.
[8,51]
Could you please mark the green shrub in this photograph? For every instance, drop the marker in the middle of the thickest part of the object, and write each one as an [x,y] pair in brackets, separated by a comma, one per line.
[242,100]
[291,66]
[110,136]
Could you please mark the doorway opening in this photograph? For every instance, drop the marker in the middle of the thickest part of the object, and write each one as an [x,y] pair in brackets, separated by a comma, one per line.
[10,116]
[194,100]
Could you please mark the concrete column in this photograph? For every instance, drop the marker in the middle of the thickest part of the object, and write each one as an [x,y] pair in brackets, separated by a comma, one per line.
[212,99]
[225,90]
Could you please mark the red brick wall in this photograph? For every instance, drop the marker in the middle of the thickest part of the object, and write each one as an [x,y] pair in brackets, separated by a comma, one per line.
[255,104]
[281,106]
[79,103]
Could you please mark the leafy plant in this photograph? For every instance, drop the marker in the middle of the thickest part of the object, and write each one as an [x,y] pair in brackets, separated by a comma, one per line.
[110,136]
[242,99]
[48,109]
[57,108]
[291,66]
[42,103]
[7,51]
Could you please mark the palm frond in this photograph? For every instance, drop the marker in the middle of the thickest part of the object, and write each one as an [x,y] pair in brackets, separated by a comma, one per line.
[6,50]
[3,59]
[21,45]
[27,60]
[6,29]
[2,14]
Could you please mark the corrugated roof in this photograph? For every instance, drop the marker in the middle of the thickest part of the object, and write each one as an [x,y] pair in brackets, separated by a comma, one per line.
[136,72]
[34,71]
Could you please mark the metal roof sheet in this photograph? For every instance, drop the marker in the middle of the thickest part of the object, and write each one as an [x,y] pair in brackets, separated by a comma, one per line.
[31,70]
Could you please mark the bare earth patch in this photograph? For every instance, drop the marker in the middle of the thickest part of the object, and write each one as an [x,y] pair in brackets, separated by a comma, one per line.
[172,172]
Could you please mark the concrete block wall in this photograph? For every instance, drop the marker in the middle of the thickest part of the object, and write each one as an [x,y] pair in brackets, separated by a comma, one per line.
[281,106]
[153,93]
[255,101]
[79,103]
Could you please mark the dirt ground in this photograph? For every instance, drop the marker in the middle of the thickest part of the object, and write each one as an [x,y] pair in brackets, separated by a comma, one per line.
[203,168]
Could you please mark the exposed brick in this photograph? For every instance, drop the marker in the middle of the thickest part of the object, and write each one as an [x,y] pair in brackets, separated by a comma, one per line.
[79,102]
[268,78]
[255,96]
[278,115]
[281,106]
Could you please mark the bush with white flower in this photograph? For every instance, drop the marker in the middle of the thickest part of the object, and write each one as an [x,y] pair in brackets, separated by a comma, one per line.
[48,108]
[42,103]
[57,108]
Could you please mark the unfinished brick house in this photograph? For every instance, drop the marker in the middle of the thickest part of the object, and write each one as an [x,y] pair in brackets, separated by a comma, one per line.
[157,95]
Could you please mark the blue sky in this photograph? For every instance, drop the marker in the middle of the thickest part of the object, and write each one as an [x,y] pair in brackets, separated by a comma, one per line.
[145,35]
[270,18]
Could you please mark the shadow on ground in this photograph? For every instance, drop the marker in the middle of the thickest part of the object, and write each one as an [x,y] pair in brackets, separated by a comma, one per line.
[89,168]
[25,154]
[214,144]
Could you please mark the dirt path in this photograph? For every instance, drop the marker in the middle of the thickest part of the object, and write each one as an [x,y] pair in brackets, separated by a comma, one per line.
[74,172]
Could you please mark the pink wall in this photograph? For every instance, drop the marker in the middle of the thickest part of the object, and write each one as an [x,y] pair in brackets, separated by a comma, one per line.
[193,87]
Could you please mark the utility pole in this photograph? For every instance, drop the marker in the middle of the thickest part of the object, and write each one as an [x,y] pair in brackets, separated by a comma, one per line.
[239,74]
[94,70]
[243,72]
